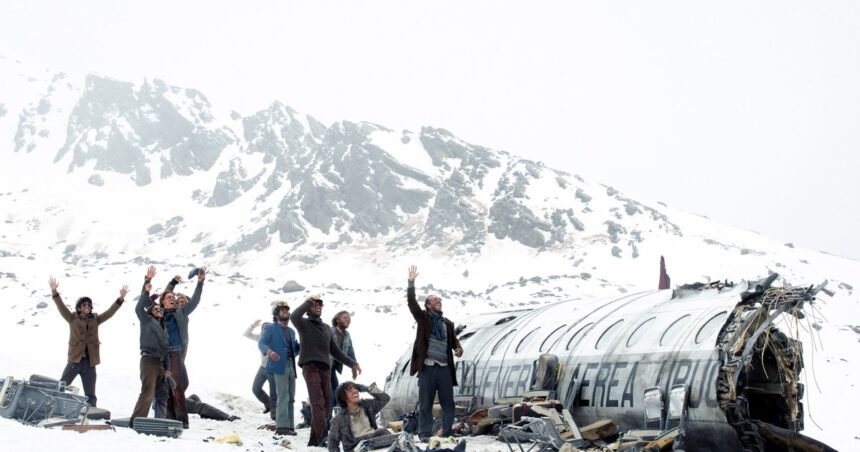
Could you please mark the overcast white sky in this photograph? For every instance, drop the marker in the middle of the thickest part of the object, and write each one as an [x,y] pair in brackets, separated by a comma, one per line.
[746,112]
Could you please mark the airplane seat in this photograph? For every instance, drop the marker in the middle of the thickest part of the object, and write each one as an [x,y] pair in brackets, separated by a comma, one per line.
[653,403]
[545,374]
[677,411]
[652,425]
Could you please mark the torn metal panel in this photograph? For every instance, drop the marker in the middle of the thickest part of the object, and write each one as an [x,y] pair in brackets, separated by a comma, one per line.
[759,381]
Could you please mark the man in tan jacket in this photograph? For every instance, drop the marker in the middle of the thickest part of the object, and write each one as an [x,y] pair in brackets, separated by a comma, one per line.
[83,355]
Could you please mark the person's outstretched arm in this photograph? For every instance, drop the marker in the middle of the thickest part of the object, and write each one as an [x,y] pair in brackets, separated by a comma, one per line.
[198,292]
[410,294]
[143,301]
[249,333]
[64,310]
[298,316]
[105,316]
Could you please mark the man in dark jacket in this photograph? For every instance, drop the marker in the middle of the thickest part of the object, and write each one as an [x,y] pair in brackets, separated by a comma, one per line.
[177,312]
[357,418]
[318,347]
[278,343]
[170,400]
[83,355]
[153,346]
[432,359]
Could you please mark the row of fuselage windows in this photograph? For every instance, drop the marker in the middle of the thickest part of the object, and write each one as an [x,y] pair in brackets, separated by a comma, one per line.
[554,338]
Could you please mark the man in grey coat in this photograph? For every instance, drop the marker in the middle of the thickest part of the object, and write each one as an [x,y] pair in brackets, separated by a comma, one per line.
[153,347]
[339,325]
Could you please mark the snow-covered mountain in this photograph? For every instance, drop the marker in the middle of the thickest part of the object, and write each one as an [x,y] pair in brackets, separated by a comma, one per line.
[102,177]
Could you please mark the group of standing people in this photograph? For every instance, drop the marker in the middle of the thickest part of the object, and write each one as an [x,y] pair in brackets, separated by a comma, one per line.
[163,344]
[319,349]
[316,348]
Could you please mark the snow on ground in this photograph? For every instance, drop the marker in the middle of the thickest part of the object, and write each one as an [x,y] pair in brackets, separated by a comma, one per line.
[95,239]
[222,364]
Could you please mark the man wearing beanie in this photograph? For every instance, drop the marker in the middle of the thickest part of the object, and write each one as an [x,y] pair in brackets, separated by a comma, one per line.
[278,343]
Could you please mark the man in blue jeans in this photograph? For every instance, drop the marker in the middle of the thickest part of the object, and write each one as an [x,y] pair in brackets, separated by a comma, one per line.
[432,359]
[270,400]
[278,342]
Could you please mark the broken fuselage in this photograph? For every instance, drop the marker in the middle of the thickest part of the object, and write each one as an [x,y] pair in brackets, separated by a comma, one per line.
[720,341]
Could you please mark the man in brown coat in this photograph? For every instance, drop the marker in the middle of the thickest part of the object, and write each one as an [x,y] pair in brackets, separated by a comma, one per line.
[433,359]
[83,355]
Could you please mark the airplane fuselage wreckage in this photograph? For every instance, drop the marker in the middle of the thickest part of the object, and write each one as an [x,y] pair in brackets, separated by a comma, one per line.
[707,360]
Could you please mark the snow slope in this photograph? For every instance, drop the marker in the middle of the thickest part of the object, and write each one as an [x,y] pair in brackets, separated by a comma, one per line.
[487,230]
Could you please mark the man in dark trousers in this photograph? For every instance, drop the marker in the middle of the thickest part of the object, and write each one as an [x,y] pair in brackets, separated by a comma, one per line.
[270,400]
[83,355]
[339,324]
[318,347]
[432,359]
[176,323]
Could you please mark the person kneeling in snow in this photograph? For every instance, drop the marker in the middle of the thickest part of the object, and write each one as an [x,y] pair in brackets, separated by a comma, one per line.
[356,420]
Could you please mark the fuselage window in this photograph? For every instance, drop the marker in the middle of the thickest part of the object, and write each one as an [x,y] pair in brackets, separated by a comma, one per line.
[710,326]
[550,340]
[673,330]
[640,331]
[577,336]
[608,334]
[467,335]
[524,339]
[499,343]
